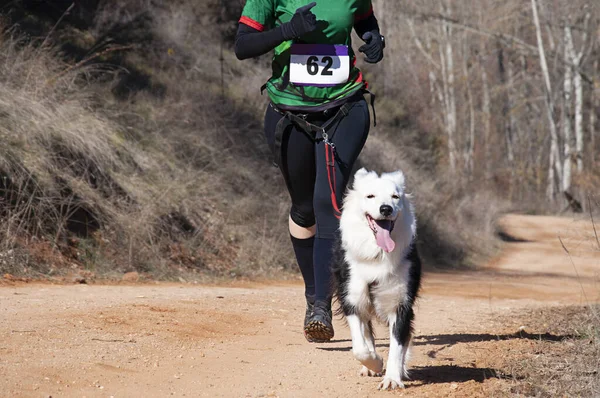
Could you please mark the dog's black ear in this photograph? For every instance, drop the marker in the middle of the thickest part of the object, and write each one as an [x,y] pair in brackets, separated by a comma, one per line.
[397,177]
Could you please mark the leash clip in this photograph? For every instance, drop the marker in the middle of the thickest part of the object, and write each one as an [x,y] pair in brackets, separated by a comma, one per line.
[330,161]
[326,141]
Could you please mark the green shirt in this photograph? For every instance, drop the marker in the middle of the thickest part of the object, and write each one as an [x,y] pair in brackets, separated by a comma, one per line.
[336,18]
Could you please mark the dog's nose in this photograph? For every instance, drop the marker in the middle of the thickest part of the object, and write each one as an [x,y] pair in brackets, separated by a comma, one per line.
[386,210]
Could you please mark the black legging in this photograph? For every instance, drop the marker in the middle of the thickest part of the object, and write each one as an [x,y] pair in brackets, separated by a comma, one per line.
[305,172]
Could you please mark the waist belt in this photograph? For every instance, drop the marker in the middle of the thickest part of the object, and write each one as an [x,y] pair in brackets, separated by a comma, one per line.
[314,132]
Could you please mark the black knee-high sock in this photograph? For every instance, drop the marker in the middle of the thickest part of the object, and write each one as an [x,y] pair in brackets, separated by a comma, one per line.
[303,248]
[323,253]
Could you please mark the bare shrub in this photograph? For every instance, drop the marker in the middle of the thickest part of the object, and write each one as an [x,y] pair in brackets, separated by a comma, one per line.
[152,155]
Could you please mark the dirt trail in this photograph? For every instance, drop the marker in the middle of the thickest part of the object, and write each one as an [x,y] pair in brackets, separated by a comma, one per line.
[190,340]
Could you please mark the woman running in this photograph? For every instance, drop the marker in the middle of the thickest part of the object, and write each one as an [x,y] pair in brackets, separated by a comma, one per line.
[316,123]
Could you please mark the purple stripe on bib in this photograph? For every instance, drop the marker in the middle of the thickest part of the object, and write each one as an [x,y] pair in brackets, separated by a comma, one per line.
[319,49]
[317,84]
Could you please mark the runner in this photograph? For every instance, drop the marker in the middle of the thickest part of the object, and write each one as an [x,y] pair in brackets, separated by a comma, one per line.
[316,123]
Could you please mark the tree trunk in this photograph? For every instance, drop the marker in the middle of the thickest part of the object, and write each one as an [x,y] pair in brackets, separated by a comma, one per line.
[575,59]
[470,142]
[451,89]
[551,187]
[555,164]
[447,70]
[506,109]
[514,128]
[567,113]
[578,86]
[595,107]
[487,115]
[532,150]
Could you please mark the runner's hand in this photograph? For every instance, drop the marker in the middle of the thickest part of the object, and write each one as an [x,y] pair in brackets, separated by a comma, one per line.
[373,47]
[303,22]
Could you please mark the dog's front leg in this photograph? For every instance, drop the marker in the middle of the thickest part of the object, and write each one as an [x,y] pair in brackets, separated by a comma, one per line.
[400,334]
[393,376]
[355,303]
[363,346]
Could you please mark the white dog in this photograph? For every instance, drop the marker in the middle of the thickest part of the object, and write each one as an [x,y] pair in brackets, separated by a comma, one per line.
[377,270]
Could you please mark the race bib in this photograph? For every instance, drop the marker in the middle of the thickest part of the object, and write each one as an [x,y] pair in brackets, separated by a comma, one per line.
[321,65]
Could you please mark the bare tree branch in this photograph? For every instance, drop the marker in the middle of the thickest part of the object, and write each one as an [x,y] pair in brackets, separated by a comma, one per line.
[501,37]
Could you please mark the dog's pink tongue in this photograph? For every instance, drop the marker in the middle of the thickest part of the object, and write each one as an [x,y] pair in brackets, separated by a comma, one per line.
[384,240]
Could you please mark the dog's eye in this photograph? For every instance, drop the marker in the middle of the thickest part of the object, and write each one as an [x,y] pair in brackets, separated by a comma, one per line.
[370,196]
[394,196]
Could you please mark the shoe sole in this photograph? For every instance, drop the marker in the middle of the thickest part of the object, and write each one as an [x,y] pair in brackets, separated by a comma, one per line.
[317,332]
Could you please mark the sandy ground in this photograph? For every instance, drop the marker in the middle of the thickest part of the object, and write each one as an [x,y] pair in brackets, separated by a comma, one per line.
[208,341]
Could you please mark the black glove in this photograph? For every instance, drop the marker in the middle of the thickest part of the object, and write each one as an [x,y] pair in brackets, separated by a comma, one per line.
[303,22]
[373,49]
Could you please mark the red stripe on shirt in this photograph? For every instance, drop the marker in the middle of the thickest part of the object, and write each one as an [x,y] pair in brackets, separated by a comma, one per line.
[252,23]
[360,79]
[358,18]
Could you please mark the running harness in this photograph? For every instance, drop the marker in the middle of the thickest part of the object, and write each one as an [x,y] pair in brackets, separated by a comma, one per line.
[317,134]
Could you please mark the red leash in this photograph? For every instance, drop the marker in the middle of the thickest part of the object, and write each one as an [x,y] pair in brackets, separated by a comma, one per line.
[330,159]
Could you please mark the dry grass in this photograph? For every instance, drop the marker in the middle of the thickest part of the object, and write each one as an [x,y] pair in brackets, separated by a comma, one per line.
[564,360]
[146,184]
[127,153]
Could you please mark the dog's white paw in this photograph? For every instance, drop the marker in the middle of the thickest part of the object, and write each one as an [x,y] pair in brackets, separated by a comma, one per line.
[370,359]
[373,363]
[364,371]
[390,384]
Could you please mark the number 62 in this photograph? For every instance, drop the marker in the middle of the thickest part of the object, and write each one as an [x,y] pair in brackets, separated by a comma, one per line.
[312,66]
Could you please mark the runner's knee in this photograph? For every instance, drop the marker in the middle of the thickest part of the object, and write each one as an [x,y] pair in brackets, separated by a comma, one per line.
[303,217]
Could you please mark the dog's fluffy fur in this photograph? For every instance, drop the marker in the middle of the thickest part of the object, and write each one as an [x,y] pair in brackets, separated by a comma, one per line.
[377,271]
